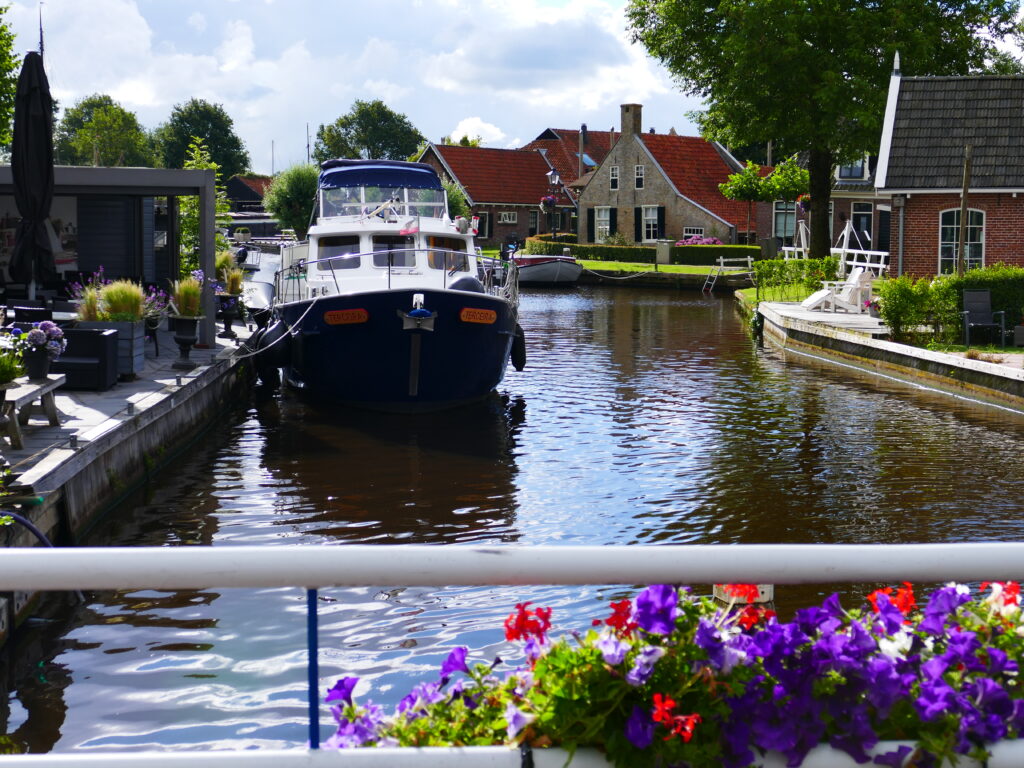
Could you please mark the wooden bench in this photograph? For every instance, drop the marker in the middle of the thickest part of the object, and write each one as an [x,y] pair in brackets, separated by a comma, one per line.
[17,406]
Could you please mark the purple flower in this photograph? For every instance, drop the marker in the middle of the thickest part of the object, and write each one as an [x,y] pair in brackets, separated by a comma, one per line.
[342,690]
[612,649]
[356,732]
[943,602]
[643,664]
[708,638]
[516,719]
[894,759]
[656,608]
[419,698]
[640,728]
[456,662]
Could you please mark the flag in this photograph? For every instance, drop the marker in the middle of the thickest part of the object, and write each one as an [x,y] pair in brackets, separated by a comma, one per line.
[411,227]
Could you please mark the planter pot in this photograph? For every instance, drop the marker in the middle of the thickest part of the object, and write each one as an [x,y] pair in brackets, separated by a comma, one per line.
[243,237]
[36,362]
[131,344]
[228,308]
[186,333]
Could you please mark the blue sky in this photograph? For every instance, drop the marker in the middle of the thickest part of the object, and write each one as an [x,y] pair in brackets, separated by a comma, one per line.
[500,70]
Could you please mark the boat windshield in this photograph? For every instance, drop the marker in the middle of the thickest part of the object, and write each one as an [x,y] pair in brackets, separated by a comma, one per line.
[393,251]
[399,201]
[447,253]
[340,252]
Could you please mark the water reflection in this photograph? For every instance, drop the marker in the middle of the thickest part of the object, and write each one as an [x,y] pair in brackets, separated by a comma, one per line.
[642,417]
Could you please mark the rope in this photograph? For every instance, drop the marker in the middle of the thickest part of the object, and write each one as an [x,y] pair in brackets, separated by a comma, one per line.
[291,332]
[627,277]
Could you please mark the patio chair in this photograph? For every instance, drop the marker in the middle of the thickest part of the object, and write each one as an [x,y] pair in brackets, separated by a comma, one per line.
[848,295]
[977,313]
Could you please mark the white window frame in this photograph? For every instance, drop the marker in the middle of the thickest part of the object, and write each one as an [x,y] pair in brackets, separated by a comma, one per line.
[483,226]
[693,232]
[508,217]
[638,176]
[602,222]
[778,207]
[613,178]
[649,215]
[975,246]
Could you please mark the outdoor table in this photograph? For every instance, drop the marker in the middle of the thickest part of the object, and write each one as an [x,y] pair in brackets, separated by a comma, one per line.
[17,406]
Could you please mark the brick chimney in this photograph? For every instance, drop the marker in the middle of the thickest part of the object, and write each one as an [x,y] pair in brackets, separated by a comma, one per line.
[631,118]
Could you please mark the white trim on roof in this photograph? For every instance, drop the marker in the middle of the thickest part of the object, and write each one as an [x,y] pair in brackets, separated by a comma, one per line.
[885,147]
[676,189]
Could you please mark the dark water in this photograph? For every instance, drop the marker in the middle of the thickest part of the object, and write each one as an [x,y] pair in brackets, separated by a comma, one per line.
[643,417]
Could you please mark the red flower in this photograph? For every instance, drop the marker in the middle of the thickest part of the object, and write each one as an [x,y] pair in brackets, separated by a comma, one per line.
[748,592]
[750,615]
[619,620]
[524,623]
[903,599]
[683,725]
[663,706]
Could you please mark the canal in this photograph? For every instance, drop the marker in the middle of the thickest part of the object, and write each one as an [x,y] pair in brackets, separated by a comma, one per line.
[643,417]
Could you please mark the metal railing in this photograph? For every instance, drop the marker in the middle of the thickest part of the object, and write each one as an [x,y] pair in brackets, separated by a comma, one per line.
[313,567]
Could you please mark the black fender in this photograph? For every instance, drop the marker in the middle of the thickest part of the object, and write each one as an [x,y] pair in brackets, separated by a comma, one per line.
[519,348]
[272,352]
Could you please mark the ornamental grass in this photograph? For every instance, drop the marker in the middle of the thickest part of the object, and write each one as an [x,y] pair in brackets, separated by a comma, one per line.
[121,301]
[186,296]
[671,679]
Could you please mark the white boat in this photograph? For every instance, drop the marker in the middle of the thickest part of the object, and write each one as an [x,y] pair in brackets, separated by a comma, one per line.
[388,305]
[547,270]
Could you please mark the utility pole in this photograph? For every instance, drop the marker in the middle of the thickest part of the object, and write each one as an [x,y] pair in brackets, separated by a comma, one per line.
[271,157]
[307,143]
[961,256]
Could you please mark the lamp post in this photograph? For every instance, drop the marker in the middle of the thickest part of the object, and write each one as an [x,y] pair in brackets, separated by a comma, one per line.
[554,182]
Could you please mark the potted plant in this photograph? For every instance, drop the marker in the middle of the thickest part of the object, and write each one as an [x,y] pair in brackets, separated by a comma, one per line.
[10,368]
[185,313]
[229,299]
[41,345]
[117,304]
[242,234]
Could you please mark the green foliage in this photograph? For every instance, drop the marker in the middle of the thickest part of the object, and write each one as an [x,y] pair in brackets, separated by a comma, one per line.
[464,141]
[774,276]
[370,130]
[10,361]
[188,210]
[618,238]
[186,295]
[562,237]
[787,181]
[121,301]
[457,205]
[707,255]
[10,65]
[636,254]
[903,306]
[75,117]
[291,198]
[199,119]
[812,74]
[233,280]
[747,186]
[111,137]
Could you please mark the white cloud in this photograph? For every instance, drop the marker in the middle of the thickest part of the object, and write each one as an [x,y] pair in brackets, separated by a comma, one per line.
[474,126]
[197,21]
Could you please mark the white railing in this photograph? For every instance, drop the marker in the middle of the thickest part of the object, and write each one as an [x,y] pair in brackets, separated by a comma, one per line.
[32,568]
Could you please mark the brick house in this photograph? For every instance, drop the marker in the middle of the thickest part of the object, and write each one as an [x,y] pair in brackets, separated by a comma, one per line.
[928,123]
[573,153]
[652,186]
[504,188]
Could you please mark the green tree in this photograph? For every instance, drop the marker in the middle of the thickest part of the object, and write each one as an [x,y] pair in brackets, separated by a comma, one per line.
[747,186]
[787,182]
[198,157]
[812,73]
[75,117]
[291,197]
[10,66]
[197,118]
[457,203]
[370,130]
[464,141]
[111,137]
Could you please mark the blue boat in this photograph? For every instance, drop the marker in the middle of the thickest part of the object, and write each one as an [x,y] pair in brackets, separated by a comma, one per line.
[388,305]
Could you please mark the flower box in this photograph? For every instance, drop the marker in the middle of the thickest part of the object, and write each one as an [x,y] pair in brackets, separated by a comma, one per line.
[131,344]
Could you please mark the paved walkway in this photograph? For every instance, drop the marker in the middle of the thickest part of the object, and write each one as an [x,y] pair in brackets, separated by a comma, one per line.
[87,415]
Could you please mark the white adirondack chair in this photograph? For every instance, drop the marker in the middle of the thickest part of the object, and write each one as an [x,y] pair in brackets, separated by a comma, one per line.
[848,295]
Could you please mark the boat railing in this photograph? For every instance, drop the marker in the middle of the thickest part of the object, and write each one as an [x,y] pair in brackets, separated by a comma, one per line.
[498,278]
[358,565]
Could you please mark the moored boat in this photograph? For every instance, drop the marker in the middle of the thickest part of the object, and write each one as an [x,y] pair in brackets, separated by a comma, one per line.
[388,305]
[548,270]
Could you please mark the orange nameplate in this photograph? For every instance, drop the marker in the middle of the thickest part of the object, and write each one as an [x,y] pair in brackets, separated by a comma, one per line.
[346,316]
[484,316]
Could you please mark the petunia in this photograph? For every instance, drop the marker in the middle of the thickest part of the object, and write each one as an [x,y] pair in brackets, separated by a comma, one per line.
[643,665]
[640,728]
[656,609]
[613,650]
[456,662]
[342,690]
[516,719]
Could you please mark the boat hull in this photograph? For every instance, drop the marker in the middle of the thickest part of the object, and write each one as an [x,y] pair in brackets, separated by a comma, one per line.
[548,270]
[366,350]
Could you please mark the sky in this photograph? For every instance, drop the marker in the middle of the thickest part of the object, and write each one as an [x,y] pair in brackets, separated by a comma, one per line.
[501,70]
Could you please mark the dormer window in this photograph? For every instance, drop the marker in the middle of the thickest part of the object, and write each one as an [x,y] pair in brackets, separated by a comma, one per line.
[854,170]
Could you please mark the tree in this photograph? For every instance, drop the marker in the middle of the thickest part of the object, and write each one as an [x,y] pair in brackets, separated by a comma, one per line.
[812,73]
[10,66]
[198,157]
[787,182]
[111,136]
[210,123]
[71,123]
[464,141]
[291,197]
[747,185]
[457,204]
[370,130]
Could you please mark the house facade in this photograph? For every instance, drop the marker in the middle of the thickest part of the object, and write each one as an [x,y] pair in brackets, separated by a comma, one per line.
[654,186]
[504,188]
[930,122]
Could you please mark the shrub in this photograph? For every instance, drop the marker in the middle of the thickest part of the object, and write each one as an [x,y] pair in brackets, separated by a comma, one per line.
[233,280]
[904,306]
[706,255]
[224,261]
[186,296]
[121,301]
[88,303]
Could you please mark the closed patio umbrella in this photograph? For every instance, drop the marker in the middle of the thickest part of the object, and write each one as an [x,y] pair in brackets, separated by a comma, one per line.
[32,168]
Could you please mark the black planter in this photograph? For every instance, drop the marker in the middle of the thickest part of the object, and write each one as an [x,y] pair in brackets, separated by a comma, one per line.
[36,362]
[185,336]
[228,311]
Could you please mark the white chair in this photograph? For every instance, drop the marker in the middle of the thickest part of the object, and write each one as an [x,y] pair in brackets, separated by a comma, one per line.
[848,295]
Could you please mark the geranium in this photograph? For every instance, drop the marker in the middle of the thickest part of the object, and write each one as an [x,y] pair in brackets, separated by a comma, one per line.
[672,679]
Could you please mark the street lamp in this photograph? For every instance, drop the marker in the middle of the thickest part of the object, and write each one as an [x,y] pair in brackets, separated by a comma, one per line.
[554,182]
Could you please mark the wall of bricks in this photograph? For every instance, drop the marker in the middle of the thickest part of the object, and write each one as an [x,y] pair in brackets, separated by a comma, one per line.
[1003,235]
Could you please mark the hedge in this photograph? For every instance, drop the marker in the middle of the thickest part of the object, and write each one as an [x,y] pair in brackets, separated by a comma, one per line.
[699,255]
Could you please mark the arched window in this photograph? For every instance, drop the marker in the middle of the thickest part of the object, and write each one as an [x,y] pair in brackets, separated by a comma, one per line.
[949,239]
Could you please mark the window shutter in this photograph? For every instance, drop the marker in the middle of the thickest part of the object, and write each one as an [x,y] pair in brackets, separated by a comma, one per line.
[638,224]
[590,225]
[613,221]
[661,221]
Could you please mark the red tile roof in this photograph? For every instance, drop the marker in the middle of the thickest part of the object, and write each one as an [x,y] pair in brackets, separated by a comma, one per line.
[258,184]
[562,146]
[696,168]
[499,175]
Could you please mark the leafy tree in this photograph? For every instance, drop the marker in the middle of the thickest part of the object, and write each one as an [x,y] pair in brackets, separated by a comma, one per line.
[457,204]
[464,141]
[370,130]
[200,119]
[198,157]
[747,185]
[75,117]
[112,136]
[10,67]
[787,182]
[291,197]
[812,73]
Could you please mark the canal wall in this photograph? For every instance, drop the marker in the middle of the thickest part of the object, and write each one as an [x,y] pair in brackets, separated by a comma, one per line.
[77,485]
[980,380]
[655,279]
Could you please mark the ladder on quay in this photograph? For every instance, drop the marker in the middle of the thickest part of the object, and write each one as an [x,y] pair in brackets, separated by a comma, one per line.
[732,265]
